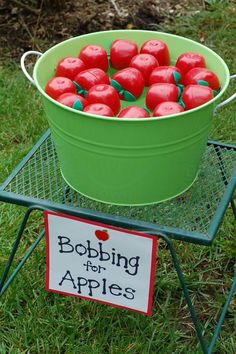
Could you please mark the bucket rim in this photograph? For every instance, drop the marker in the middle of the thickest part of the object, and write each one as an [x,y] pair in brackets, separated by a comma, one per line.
[212,102]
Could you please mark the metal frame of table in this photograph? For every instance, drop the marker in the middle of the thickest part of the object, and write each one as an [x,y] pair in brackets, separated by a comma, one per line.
[195,216]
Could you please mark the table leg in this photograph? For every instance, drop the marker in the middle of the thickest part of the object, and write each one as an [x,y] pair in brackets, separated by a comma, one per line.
[198,327]
[5,281]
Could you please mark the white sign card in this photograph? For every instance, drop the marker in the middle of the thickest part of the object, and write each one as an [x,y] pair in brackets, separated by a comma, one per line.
[99,262]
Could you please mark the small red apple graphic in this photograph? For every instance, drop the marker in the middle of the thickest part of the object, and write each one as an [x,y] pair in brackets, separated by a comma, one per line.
[102,235]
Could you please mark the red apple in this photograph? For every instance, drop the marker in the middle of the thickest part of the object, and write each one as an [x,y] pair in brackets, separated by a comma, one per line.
[102,235]
[167,108]
[189,60]
[59,85]
[121,53]
[72,100]
[165,74]
[94,56]
[104,94]
[196,95]
[161,92]
[145,63]
[99,109]
[202,76]
[133,112]
[69,67]
[89,78]
[158,49]
[129,83]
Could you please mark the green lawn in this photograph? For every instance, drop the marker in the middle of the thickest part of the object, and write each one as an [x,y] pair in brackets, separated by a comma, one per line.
[34,321]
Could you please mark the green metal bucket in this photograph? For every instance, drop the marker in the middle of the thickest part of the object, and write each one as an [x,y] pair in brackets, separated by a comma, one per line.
[128,161]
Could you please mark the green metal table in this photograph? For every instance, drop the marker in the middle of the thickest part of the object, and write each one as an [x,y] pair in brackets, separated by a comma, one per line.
[194,217]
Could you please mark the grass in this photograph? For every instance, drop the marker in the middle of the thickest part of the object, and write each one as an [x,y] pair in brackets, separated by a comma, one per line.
[33,321]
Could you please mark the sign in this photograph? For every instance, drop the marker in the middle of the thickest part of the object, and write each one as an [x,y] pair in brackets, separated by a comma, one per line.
[99,262]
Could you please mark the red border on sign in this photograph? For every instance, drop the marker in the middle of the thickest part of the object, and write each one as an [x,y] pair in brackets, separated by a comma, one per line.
[153,260]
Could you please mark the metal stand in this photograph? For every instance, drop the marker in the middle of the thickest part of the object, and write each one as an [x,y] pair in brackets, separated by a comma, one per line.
[37,184]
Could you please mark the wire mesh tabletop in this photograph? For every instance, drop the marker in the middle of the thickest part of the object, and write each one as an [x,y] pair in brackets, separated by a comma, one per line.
[194,216]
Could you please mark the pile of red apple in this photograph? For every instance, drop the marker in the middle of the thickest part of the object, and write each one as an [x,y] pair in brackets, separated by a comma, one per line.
[83,83]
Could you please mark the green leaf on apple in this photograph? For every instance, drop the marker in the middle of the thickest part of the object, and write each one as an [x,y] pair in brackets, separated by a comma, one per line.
[78,88]
[147,110]
[177,77]
[202,83]
[116,85]
[128,96]
[180,90]
[78,105]
[181,103]
[180,87]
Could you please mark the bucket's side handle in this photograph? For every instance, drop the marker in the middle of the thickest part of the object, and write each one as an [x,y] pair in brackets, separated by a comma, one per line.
[228,100]
[22,63]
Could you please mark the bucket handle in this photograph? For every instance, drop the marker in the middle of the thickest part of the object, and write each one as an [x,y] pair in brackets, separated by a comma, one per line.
[22,64]
[228,100]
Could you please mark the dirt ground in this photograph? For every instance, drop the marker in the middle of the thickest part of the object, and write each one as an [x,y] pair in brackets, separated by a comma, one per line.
[39,24]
